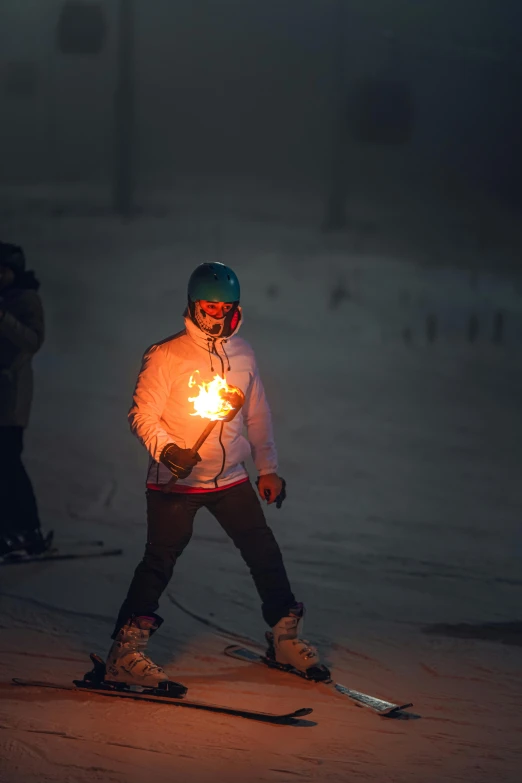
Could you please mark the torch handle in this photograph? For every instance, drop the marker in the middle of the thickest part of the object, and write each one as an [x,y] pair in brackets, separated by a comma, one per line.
[204,435]
[195,448]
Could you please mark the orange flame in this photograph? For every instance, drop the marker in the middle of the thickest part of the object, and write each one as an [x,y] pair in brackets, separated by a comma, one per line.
[211,402]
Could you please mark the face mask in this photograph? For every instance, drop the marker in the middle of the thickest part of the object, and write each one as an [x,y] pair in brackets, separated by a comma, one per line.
[215,327]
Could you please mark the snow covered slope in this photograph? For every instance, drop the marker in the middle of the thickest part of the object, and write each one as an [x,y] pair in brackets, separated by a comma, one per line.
[402,522]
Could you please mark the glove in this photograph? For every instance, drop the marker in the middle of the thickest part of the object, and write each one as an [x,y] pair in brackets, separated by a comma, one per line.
[179,461]
[280,498]
[282,495]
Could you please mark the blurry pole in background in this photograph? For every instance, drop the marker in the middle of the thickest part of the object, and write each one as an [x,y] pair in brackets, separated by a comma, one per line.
[124,101]
[52,141]
[334,217]
[80,32]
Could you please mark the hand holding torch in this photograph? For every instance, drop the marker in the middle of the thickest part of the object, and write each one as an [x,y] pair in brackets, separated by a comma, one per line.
[216,401]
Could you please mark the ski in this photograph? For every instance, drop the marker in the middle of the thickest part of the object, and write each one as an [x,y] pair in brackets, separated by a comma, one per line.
[379,706]
[20,558]
[167,693]
[80,685]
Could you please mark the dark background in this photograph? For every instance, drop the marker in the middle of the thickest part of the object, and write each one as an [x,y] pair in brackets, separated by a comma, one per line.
[382,294]
[242,88]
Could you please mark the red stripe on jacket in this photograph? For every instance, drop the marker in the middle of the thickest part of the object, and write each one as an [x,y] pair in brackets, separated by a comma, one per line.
[186,490]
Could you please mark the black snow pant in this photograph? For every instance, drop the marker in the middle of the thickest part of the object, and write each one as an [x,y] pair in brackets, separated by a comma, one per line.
[170,519]
[18,509]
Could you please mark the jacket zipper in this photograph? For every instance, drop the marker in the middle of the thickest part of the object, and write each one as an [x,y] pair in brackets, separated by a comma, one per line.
[214,350]
[224,455]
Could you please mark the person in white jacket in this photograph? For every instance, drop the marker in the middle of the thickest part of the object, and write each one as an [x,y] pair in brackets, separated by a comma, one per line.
[180,482]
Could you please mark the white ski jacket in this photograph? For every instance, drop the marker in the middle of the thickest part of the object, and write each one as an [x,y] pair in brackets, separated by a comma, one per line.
[160,413]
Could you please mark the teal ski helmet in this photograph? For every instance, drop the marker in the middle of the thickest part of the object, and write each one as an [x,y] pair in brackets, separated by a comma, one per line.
[213,282]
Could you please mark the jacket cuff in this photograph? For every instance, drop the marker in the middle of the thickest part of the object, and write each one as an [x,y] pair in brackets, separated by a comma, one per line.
[267,471]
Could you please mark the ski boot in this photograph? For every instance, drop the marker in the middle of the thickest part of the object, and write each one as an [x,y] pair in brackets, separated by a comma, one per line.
[27,542]
[8,545]
[128,665]
[286,650]
[36,543]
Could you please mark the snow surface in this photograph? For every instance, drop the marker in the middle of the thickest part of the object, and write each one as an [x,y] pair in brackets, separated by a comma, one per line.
[402,522]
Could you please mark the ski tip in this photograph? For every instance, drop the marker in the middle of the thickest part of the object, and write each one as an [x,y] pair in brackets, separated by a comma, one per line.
[288,718]
[399,708]
[301,713]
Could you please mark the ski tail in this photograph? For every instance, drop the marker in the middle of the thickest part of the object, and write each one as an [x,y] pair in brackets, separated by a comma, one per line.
[20,558]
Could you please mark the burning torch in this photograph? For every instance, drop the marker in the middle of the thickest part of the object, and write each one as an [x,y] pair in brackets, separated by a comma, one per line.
[216,401]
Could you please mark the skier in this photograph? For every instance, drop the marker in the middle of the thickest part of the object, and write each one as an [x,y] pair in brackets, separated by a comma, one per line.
[21,336]
[215,478]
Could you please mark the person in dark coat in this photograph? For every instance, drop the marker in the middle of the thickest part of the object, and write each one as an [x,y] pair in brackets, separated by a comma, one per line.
[21,336]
